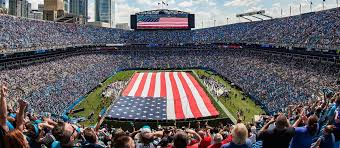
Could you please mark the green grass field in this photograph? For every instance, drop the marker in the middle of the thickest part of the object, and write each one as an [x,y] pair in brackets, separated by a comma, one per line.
[235,102]
[95,103]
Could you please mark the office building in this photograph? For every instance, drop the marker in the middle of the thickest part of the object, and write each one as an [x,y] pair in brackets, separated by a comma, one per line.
[19,8]
[105,11]
[2,3]
[53,9]
[79,8]
[66,6]
[40,7]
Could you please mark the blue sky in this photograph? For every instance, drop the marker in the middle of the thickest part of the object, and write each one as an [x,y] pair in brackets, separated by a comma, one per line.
[210,10]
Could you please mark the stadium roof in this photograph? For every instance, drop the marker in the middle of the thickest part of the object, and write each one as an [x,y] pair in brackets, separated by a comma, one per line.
[162,11]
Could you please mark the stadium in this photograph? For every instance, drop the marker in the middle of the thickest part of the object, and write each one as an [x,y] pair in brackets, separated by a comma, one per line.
[163,83]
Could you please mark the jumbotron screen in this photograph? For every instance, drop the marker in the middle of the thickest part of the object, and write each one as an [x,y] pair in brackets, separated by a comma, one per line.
[162,21]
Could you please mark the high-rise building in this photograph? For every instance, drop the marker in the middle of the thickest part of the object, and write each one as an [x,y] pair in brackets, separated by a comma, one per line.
[19,8]
[53,9]
[2,3]
[40,7]
[105,11]
[79,7]
[66,6]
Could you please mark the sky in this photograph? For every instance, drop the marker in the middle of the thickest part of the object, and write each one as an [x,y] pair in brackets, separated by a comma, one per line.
[207,11]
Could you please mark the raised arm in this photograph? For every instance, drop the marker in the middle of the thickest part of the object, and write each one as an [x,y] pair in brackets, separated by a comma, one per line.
[3,107]
[100,121]
[21,115]
[196,135]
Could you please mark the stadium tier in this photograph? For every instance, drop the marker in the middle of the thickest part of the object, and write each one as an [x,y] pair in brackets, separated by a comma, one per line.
[270,84]
[316,30]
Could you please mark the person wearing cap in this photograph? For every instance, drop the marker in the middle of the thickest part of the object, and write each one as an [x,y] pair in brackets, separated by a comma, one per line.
[146,137]
[217,141]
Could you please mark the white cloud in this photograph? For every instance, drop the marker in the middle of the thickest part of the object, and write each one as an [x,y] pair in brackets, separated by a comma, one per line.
[241,3]
[185,4]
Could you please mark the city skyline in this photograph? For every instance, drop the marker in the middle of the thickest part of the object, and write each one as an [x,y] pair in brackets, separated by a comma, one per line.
[206,11]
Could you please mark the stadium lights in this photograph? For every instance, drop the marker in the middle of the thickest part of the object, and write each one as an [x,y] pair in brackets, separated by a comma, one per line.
[253,14]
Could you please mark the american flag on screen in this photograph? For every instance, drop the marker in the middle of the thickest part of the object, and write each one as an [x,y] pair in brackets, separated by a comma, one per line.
[163,96]
[163,22]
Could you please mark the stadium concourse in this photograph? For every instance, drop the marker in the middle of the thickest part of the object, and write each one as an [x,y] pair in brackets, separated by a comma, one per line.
[288,87]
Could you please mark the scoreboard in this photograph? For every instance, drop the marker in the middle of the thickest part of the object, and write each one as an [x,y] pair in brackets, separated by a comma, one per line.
[162,20]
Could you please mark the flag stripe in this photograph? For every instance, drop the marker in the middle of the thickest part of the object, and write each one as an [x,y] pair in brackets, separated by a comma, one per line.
[199,100]
[184,96]
[176,98]
[204,96]
[163,85]
[146,85]
[130,85]
[152,85]
[141,85]
[136,84]
[170,104]
[186,107]
[158,85]
[192,101]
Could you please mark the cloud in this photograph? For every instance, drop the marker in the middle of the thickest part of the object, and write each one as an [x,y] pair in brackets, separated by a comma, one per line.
[185,4]
[241,3]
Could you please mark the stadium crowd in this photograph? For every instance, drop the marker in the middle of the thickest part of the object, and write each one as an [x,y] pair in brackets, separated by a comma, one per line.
[311,30]
[18,34]
[314,124]
[274,80]
[286,86]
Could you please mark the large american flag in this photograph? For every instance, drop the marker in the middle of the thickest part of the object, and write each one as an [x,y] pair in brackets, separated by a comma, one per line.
[163,96]
[163,22]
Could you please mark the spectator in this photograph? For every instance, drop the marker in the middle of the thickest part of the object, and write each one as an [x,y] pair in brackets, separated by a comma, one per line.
[15,138]
[280,136]
[123,142]
[304,135]
[181,139]
[240,138]
[217,141]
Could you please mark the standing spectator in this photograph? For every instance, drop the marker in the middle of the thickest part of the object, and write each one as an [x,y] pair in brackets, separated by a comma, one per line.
[217,141]
[206,138]
[304,135]
[240,137]
[280,136]
[181,139]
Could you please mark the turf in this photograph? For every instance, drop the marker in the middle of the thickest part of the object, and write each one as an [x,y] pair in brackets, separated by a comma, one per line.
[235,102]
[94,101]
